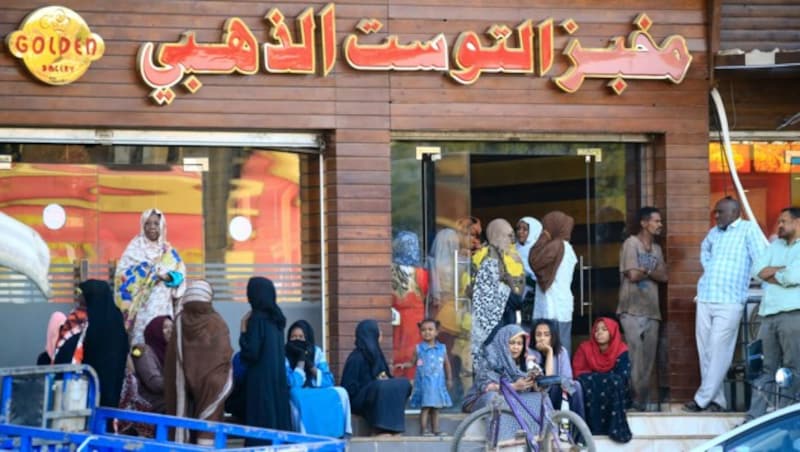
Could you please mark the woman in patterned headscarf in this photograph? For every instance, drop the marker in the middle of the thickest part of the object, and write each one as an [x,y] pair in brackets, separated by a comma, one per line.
[506,360]
[409,289]
[497,290]
[150,276]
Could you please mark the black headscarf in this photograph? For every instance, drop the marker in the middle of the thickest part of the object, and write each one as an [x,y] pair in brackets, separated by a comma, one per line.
[367,333]
[262,349]
[301,350]
[261,296]
[106,342]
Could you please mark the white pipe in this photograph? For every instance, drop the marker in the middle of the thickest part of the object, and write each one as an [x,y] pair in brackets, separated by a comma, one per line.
[726,144]
[322,250]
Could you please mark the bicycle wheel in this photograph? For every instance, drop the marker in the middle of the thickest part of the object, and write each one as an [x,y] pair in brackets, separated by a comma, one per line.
[487,429]
[577,437]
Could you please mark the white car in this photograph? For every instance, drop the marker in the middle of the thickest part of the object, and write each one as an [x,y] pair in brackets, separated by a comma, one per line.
[778,431]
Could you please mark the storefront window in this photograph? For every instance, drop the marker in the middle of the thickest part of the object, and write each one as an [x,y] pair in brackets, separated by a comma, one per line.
[101,192]
[770,176]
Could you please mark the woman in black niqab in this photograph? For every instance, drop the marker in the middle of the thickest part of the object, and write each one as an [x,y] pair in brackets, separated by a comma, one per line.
[262,351]
[374,394]
[301,350]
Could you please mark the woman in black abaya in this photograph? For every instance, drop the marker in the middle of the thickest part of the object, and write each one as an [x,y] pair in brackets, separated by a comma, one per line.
[374,394]
[106,343]
[262,351]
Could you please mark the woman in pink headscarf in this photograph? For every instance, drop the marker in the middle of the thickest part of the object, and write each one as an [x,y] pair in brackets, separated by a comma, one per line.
[53,329]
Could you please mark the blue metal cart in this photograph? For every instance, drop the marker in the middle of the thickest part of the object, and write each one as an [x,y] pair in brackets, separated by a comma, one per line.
[54,408]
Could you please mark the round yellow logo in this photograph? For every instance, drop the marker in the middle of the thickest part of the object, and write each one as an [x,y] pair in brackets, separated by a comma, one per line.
[56,45]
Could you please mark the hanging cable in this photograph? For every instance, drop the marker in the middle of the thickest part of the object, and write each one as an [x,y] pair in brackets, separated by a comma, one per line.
[719,107]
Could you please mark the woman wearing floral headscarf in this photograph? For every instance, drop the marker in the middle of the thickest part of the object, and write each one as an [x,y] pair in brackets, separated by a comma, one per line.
[150,276]
[409,289]
[69,345]
[497,290]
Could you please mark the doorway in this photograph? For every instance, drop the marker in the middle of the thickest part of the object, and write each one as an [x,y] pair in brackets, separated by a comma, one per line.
[437,185]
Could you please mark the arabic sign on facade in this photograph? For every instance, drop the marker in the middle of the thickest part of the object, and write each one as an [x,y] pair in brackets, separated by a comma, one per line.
[527,49]
[56,45]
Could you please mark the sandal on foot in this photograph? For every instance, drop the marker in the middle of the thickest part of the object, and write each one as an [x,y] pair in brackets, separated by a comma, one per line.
[442,434]
[427,433]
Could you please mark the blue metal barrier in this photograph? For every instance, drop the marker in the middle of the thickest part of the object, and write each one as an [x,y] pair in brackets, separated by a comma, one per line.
[96,437]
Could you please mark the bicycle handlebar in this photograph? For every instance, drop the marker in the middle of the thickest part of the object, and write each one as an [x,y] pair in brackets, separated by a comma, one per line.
[548,380]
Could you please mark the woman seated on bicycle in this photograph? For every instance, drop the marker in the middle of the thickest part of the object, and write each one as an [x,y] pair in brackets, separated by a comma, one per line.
[602,367]
[553,358]
[505,358]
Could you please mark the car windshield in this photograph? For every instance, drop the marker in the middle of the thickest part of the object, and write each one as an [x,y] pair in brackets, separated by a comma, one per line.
[781,434]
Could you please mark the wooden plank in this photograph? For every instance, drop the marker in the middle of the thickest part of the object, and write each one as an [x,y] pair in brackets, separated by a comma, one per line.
[349,191]
[360,164]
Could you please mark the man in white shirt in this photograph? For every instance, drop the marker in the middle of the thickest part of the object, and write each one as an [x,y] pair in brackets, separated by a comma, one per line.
[727,255]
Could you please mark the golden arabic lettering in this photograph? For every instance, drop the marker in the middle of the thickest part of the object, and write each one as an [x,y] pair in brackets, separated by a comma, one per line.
[642,59]
[527,49]
[417,56]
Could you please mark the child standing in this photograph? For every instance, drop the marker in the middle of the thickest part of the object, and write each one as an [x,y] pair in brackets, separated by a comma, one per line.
[433,377]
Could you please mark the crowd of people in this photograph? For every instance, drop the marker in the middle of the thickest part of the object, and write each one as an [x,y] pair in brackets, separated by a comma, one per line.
[158,345]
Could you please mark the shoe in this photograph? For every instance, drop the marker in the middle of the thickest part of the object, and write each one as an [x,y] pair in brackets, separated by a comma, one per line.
[692,407]
[441,434]
[427,433]
[714,407]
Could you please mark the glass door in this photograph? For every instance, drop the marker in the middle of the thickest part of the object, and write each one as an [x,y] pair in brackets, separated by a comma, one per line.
[795,181]
[447,192]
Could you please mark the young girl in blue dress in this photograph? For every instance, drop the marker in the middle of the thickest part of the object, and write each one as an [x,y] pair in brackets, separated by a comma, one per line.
[433,377]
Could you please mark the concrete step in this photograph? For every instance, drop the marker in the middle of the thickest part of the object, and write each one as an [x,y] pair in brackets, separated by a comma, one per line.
[674,443]
[670,430]
[667,423]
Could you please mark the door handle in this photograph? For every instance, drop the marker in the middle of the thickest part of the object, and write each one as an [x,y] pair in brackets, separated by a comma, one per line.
[584,268]
[580,281]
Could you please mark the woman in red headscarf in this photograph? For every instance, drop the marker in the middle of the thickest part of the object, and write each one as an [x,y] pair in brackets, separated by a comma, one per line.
[603,369]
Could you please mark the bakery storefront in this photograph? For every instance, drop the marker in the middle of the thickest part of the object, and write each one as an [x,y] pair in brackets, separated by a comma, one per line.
[296,140]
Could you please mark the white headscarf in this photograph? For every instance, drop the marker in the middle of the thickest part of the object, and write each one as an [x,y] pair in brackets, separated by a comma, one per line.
[534,231]
[442,268]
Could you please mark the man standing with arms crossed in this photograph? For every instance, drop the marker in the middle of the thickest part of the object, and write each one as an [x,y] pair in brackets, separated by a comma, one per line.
[642,267]
[727,255]
[779,269]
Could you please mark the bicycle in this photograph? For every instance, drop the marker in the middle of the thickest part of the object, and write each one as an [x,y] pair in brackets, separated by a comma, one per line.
[481,430]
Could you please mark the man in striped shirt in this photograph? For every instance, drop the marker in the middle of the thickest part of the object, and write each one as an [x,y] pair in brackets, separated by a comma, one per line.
[727,255]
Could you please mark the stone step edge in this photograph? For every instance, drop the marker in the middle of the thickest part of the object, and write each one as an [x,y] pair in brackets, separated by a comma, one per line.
[437,439]
[722,414]
[456,416]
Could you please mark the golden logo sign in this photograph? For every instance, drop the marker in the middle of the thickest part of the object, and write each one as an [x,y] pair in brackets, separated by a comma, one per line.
[56,45]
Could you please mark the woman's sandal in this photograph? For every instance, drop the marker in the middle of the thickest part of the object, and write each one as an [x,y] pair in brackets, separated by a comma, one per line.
[427,433]
[441,434]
